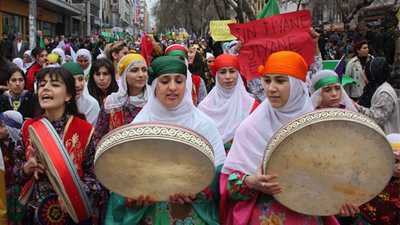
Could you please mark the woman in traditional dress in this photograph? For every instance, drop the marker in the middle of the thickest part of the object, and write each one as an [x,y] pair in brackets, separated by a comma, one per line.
[170,101]
[84,59]
[57,101]
[199,91]
[115,52]
[85,102]
[246,194]
[379,100]
[228,103]
[198,65]
[385,207]
[28,61]
[101,81]
[121,107]
[328,91]
[10,127]
[39,56]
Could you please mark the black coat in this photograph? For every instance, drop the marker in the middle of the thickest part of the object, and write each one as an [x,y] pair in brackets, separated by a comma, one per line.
[27,107]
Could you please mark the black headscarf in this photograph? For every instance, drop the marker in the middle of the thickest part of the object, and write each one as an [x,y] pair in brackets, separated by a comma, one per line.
[377,71]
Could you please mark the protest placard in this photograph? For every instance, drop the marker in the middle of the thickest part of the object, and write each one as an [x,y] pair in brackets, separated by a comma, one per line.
[220,30]
[261,38]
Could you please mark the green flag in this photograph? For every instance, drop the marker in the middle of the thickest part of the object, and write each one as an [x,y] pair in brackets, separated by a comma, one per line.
[270,9]
[42,43]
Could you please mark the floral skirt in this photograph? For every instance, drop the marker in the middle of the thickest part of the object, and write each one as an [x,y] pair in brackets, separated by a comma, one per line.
[270,212]
[15,210]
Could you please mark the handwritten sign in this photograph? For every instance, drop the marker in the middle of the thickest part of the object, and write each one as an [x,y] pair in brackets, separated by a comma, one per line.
[284,32]
[220,30]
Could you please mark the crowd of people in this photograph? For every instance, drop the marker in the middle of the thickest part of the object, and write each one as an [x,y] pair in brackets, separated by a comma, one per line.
[380,43]
[88,87]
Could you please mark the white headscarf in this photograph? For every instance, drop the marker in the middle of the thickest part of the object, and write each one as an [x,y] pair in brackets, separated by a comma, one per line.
[13,121]
[85,53]
[116,100]
[185,114]
[60,52]
[254,133]
[316,96]
[27,65]
[19,63]
[88,106]
[228,108]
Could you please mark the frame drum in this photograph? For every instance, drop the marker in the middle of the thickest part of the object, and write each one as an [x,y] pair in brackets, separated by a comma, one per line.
[326,158]
[60,170]
[154,158]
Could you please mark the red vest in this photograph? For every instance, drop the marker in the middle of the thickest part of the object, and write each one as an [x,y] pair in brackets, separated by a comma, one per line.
[77,136]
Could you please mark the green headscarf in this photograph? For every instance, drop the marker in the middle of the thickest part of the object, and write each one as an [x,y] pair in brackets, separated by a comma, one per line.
[73,67]
[165,65]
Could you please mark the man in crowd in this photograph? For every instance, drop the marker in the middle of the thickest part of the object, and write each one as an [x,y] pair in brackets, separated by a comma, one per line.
[7,46]
[38,36]
[19,47]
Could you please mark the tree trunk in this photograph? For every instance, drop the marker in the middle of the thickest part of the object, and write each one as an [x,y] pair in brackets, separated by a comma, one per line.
[249,12]
[220,10]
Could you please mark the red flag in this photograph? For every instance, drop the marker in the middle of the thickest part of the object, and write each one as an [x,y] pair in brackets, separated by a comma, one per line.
[147,48]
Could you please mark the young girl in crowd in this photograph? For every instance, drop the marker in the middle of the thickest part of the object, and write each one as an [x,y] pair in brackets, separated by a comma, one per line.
[246,194]
[328,92]
[39,56]
[85,102]
[115,51]
[17,98]
[101,80]
[228,103]
[167,75]
[57,102]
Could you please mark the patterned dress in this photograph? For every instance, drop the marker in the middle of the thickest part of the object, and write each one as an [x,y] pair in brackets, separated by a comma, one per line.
[42,187]
[384,208]
[15,210]
[267,211]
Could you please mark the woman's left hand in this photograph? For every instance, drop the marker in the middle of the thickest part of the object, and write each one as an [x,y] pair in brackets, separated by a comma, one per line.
[62,205]
[182,198]
[349,209]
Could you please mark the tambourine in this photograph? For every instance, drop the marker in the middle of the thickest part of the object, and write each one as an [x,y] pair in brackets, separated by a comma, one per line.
[60,170]
[326,158]
[154,158]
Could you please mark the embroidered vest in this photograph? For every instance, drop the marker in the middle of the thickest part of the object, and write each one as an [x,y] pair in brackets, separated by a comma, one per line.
[77,136]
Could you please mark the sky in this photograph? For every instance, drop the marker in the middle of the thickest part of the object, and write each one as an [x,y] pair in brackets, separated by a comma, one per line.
[150,5]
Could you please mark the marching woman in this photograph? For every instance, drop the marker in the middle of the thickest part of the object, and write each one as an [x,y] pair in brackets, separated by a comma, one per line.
[328,92]
[85,102]
[170,101]
[57,102]
[84,59]
[101,81]
[199,91]
[379,100]
[121,107]
[228,103]
[246,194]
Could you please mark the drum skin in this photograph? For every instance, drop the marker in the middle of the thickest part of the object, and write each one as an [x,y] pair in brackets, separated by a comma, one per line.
[154,158]
[326,158]
[60,170]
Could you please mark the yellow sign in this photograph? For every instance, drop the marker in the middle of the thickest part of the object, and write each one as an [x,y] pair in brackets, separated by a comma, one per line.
[220,30]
